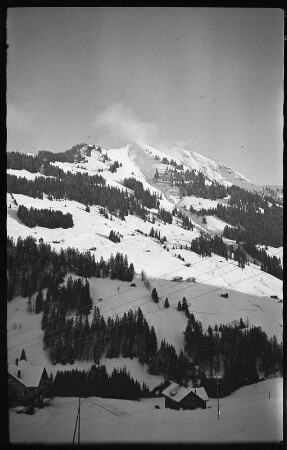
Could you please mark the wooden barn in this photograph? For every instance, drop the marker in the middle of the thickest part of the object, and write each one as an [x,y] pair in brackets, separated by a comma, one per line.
[179,397]
[27,384]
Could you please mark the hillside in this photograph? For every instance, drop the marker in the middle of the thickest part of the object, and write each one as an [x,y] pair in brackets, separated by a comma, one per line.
[249,287]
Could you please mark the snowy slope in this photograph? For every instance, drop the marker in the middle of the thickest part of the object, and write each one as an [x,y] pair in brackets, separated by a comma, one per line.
[194,160]
[199,203]
[248,415]
[249,289]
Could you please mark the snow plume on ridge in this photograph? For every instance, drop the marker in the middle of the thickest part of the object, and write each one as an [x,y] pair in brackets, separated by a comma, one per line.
[123,123]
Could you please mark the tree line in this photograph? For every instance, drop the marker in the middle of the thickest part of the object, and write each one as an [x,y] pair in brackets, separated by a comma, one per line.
[89,190]
[265,229]
[69,339]
[33,163]
[34,266]
[96,382]
[237,351]
[47,218]
[149,200]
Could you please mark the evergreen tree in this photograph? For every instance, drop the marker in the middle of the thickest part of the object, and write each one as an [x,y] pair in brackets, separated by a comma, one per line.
[23,355]
[29,305]
[154,295]
[39,302]
[166,303]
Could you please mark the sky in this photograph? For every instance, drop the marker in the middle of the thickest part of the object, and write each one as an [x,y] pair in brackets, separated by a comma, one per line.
[208,80]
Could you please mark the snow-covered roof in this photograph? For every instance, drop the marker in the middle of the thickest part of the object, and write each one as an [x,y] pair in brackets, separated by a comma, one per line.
[177,392]
[30,375]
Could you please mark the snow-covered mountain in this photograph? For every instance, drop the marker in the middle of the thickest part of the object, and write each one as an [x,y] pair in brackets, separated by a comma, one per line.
[250,287]
[212,170]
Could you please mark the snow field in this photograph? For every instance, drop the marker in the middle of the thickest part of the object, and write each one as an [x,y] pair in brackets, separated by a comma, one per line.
[198,203]
[25,174]
[248,415]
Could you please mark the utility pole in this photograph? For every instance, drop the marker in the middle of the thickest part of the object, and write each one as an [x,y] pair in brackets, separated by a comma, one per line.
[76,426]
[77,419]
[79,426]
[218,412]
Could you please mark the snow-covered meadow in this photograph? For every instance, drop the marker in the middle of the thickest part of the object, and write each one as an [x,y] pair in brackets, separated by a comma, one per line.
[246,416]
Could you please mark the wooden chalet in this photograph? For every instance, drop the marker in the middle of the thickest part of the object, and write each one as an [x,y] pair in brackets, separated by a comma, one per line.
[27,384]
[179,397]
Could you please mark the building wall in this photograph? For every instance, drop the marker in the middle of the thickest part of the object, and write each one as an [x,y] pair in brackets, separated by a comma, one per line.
[20,394]
[169,403]
[191,401]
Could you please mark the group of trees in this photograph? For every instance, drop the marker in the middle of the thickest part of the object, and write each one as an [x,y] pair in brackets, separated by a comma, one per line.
[47,218]
[97,383]
[204,245]
[113,168]
[247,223]
[73,296]
[186,222]
[183,306]
[172,162]
[120,268]
[114,237]
[70,339]
[33,164]
[156,235]
[164,215]
[235,350]
[32,267]
[149,200]
[80,187]
[197,187]
[269,264]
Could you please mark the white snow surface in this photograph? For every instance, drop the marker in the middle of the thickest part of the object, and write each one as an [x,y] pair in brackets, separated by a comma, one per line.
[25,174]
[215,224]
[248,415]
[198,203]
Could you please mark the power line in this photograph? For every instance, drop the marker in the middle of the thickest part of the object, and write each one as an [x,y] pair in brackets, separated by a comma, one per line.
[127,303]
[151,312]
[128,290]
[139,298]
[115,326]
[108,298]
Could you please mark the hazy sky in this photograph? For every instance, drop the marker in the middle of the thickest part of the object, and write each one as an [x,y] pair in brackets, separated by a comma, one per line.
[207,79]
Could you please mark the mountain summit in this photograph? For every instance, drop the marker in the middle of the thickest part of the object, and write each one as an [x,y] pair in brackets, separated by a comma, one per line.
[192,160]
